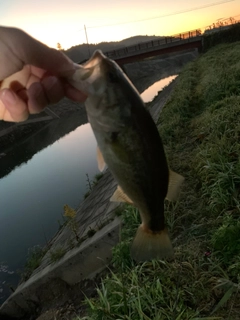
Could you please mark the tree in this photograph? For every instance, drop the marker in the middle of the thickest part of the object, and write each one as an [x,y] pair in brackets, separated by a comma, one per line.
[59,47]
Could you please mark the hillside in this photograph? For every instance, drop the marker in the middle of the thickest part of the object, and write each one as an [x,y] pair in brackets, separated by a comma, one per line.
[81,52]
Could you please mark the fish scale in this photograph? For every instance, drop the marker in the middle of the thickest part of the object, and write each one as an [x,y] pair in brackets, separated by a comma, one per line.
[130,144]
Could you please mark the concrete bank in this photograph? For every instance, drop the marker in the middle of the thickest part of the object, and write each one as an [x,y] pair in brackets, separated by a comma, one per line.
[80,261]
[12,134]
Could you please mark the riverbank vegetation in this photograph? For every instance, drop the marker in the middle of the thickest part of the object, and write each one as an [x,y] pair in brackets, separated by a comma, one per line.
[33,261]
[91,183]
[200,129]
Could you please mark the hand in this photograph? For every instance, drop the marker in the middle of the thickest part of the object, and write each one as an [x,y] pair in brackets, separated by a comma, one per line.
[32,76]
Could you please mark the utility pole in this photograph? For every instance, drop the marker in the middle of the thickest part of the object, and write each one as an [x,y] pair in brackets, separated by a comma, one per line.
[87,41]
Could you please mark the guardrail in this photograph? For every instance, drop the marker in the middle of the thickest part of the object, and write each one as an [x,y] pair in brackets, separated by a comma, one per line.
[125,51]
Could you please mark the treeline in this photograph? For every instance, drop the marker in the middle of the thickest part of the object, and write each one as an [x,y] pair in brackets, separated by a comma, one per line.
[83,51]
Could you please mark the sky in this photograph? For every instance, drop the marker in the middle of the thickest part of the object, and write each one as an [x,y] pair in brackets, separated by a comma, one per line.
[60,21]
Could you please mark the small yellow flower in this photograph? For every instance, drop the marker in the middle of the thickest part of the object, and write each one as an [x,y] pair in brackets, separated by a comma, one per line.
[69,212]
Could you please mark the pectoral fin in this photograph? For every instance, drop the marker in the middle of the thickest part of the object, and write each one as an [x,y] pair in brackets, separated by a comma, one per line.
[120,196]
[100,160]
[175,181]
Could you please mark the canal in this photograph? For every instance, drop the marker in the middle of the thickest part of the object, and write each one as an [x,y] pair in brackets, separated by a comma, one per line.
[34,192]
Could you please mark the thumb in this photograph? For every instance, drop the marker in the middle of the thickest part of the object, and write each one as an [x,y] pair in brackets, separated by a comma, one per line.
[27,50]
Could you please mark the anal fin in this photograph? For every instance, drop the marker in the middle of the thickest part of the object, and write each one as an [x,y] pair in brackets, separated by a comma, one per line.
[175,181]
[120,196]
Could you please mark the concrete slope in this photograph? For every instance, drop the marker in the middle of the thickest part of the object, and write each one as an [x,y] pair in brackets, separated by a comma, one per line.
[82,259]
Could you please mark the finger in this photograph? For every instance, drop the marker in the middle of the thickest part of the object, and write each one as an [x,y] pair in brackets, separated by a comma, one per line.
[15,108]
[35,75]
[74,94]
[23,49]
[20,77]
[37,99]
[53,89]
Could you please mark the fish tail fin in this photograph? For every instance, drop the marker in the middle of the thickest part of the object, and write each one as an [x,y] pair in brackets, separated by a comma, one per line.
[149,245]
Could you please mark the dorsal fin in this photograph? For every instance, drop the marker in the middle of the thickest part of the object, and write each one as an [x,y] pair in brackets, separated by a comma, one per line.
[175,181]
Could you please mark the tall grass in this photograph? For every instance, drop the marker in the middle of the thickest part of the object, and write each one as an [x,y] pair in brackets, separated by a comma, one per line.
[200,128]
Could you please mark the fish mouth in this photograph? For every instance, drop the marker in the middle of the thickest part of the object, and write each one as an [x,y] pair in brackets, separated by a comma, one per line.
[90,77]
[95,60]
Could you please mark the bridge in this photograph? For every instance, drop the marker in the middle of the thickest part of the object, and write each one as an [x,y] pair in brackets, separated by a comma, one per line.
[179,42]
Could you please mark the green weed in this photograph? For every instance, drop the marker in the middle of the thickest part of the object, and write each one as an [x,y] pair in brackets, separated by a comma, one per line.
[71,221]
[92,183]
[91,232]
[226,243]
[200,129]
[34,259]
[57,254]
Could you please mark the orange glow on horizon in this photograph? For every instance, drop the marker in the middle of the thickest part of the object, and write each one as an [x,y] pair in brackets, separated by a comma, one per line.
[52,22]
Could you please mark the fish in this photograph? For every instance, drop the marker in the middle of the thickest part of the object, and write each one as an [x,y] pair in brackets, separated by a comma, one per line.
[130,145]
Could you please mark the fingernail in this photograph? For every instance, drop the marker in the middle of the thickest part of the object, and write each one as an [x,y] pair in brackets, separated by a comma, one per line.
[8,97]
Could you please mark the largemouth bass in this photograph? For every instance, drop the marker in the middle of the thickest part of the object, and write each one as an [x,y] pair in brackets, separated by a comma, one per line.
[130,145]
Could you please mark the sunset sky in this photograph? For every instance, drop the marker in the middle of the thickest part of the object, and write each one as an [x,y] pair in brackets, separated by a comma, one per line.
[53,21]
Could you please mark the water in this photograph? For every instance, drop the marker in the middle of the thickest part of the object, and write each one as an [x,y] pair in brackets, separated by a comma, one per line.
[32,196]
[153,90]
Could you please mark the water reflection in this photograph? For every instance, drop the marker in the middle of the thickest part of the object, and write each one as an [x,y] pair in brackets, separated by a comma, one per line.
[51,132]
[153,90]
[33,196]
[47,175]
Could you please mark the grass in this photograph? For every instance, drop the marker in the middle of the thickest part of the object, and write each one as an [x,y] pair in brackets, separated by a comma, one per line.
[200,129]
[57,254]
[34,258]
[92,183]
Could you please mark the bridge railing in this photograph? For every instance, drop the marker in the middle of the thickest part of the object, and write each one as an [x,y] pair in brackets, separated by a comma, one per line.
[151,44]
